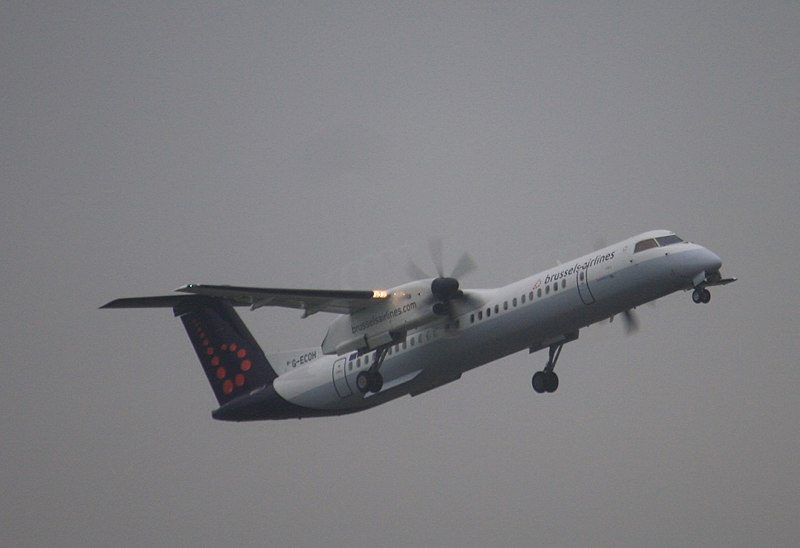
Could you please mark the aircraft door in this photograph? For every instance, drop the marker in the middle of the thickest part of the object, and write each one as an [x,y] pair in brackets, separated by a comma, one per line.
[582,277]
[340,378]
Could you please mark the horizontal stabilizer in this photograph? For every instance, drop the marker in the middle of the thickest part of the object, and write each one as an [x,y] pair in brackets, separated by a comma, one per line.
[169,301]
[231,358]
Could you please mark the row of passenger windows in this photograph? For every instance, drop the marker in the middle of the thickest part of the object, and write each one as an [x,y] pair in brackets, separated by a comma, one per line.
[525,297]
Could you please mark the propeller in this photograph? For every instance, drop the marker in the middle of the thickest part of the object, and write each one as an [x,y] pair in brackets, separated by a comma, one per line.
[630,320]
[444,288]
[464,265]
[414,272]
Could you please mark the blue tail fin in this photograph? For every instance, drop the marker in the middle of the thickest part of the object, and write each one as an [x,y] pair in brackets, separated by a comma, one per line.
[234,363]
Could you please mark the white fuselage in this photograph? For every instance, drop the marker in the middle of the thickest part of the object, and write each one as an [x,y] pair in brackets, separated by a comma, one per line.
[533,313]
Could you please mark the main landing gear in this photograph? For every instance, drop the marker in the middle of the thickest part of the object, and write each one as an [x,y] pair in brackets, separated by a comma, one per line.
[701,295]
[371,380]
[547,380]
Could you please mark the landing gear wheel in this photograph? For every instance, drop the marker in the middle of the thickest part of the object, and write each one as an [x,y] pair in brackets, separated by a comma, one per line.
[362,382]
[701,295]
[369,381]
[544,381]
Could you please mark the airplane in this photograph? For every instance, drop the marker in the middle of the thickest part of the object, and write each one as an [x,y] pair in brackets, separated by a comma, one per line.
[422,334]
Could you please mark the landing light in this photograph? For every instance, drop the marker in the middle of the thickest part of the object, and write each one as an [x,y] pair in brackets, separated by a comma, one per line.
[379,294]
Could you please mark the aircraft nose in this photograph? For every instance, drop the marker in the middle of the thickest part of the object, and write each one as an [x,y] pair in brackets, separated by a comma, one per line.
[712,261]
[699,264]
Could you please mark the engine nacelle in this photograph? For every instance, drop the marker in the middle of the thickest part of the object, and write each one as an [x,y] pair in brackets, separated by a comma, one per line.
[385,322]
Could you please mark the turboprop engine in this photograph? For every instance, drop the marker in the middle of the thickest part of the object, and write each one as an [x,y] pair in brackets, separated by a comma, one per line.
[388,320]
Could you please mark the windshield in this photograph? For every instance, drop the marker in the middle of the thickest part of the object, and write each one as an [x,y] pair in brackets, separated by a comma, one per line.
[668,240]
[645,244]
[661,241]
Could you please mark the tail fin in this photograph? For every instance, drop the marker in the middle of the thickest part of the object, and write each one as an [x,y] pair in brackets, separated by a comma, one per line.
[233,361]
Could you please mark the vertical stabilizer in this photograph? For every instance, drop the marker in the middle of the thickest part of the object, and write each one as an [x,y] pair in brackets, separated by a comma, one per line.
[233,361]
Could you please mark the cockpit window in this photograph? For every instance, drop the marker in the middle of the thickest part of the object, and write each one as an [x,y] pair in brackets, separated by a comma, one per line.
[645,244]
[668,240]
[656,242]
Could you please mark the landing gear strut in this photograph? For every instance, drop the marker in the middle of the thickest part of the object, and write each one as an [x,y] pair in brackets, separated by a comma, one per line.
[371,380]
[701,295]
[547,380]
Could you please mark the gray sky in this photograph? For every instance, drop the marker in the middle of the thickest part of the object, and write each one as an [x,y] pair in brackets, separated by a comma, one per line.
[149,144]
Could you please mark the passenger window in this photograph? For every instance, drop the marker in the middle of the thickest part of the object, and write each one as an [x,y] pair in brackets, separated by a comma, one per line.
[563,284]
[505,305]
[555,286]
[488,312]
[645,244]
[539,292]
[514,301]
[523,299]
[480,315]
[547,290]
[530,295]
[412,341]
[496,308]
[581,275]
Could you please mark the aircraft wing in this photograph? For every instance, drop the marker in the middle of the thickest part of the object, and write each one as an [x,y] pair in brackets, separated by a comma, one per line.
[310,301]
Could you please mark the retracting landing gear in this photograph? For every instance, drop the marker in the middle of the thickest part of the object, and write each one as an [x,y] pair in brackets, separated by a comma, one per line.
[371,380]
[547,380]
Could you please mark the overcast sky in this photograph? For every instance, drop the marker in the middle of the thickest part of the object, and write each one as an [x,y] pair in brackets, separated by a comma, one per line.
[150,144]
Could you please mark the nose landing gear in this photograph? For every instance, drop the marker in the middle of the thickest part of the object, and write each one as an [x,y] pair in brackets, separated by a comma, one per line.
[701,282]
